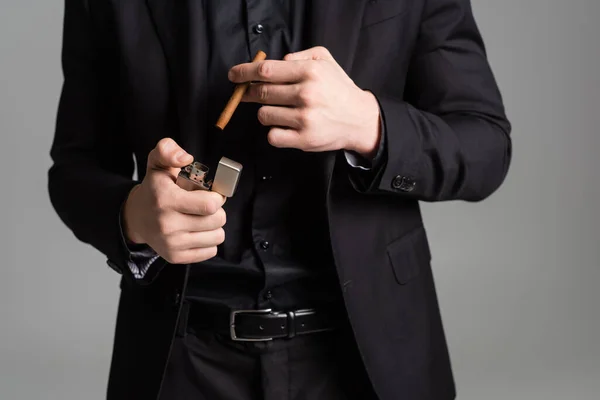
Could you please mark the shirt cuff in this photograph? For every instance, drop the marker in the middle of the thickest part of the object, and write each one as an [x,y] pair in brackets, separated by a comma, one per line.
[140,257]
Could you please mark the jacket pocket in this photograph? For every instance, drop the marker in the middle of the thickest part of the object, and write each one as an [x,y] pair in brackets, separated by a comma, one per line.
[377,11]
[408,253]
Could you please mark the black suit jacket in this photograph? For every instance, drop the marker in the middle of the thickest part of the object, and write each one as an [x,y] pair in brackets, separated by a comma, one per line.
[135,72]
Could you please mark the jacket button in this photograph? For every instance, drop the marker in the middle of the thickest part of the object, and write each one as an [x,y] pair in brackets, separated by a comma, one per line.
[403,183]
[264,245]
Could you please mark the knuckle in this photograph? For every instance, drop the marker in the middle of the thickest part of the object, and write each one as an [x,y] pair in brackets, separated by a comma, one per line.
[305,117]
[306,94]
[263,92]
[265,69]
[240,73]
[312,70]
[165,227]
[203,208]
[322,51]
[164,145]
[161,201]
[214,205]
[219,219]
[208,207]
[263,116]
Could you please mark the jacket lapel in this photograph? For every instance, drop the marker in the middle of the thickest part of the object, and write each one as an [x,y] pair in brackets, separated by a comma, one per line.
[336,26]
[181,29]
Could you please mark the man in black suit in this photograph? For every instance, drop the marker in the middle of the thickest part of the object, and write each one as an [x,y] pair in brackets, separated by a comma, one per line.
[313,281]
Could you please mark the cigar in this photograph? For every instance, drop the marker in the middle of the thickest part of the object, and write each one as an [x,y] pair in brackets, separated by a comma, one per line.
[236,97]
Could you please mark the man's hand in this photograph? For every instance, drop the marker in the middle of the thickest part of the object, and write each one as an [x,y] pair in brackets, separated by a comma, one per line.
[183,227]
[311,103]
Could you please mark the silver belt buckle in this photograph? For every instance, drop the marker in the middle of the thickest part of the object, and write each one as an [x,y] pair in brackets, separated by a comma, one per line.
[232,325]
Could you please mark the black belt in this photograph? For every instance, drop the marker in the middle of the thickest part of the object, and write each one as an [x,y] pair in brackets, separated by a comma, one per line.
[261,325]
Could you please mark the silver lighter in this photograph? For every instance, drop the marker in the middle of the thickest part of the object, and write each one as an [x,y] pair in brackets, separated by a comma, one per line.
[227,176]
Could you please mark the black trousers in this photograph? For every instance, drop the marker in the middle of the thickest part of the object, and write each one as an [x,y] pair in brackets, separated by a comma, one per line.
[321,366]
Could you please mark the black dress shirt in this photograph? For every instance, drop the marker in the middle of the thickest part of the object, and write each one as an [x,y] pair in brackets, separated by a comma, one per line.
[277,251]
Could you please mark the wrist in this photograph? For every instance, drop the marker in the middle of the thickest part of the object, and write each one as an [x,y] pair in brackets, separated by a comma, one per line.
[129,229]
[368,135]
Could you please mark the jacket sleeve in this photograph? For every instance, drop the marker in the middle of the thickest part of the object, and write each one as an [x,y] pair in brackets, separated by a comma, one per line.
[362,171]
[92,169]
[448,138]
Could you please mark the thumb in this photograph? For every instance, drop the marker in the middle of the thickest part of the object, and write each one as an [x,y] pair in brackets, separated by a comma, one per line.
[314,53]
[168,156]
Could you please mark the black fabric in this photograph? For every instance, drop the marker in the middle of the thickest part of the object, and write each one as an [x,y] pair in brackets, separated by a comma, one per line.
[237,29]
[322,366]
[137,72]
[276,253]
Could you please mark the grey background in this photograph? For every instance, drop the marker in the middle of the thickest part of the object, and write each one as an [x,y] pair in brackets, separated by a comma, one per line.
[516,274]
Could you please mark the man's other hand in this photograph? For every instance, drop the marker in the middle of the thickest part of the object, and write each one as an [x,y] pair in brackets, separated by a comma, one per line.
[311,103]
[181,226]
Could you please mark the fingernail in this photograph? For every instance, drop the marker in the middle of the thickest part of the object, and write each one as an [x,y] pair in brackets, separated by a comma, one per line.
[230,75]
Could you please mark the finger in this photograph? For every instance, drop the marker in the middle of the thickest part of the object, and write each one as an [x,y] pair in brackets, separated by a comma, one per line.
[273,71]
[192,256]
[284,138]
[169,156]
[314,53]
[280,116]
[197,202]
[273,94]
[200,223]
[196,240]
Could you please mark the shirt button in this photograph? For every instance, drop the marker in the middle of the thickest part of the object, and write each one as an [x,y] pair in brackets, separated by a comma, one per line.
[258,29]
[176,298]
[264,245]
[266,178]
[268,295]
